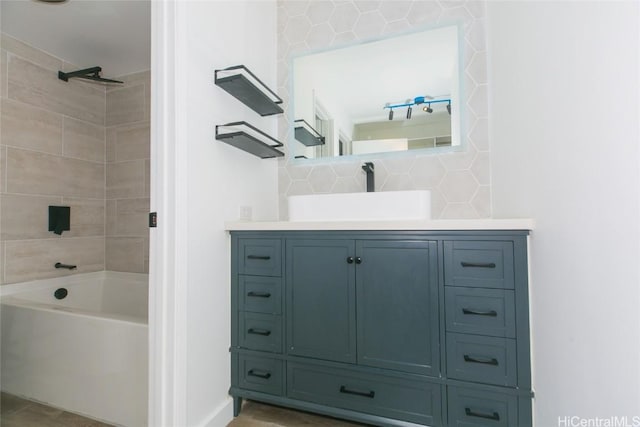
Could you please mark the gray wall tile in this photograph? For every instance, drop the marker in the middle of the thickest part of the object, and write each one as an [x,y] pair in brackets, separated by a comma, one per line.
[29,172]
[59,146]
[147,177]
[131,142]
[87,217]
[32,128]
[125,254]
[83,140]
[126,105]
[40,87]
[111,135]
[25,217]
[34,259]
[125,179]
[3,168]
[3,72]
[131,218]
[110,217]
[2,281]
[36,56]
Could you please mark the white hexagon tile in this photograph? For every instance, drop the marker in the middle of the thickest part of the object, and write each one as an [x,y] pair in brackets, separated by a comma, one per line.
[459,181]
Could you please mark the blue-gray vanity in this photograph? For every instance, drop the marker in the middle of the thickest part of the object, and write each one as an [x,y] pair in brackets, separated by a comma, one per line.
[425,326]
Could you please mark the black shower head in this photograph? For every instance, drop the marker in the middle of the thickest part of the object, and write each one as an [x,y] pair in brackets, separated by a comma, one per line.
[92,73]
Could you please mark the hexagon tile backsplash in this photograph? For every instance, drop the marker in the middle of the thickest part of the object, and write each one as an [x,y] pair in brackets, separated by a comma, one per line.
[459,181]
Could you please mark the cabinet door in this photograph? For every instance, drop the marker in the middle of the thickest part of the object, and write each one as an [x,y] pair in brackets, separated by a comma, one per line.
[320,299]
[397,305]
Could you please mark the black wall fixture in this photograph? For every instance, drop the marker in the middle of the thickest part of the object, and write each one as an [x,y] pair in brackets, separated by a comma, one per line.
[92,73]
[59,219]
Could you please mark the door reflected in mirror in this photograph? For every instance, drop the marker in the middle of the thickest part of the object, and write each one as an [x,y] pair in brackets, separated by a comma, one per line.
[396,94]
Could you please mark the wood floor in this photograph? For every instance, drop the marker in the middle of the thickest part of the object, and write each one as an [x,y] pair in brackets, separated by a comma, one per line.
[17,412]
[256,414]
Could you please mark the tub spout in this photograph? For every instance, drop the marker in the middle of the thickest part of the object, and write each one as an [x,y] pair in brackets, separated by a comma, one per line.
[67,266]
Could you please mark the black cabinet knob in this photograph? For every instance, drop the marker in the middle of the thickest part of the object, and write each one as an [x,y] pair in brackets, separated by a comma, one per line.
[358,260]
[350,260]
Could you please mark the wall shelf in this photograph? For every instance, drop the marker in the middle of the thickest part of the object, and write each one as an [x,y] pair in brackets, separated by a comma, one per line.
[248,138]
[306,134]
[249,89]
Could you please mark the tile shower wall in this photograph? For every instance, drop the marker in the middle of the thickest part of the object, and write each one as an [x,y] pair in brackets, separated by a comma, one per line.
[459,182]
[53,149]
[127,180]
[52,143]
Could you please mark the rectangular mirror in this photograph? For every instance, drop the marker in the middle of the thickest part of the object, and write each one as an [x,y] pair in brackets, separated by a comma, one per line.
[396,94]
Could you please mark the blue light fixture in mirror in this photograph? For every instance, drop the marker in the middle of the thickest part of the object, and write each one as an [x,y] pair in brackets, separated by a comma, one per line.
[396,94]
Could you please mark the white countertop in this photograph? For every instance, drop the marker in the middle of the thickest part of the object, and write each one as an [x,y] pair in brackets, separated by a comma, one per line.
[435,225]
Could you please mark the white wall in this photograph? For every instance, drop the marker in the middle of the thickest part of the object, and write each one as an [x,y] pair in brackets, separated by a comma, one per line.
[564,150]
[206,183]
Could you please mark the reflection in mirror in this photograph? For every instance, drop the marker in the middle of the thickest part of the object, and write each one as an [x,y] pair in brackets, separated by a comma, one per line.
[396,94]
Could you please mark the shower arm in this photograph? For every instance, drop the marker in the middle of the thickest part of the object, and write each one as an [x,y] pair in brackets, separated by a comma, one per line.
[79,73]
[92,73]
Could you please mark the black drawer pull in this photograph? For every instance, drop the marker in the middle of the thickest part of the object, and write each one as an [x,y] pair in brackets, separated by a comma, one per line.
[259,294]
[469,413]
[491,313]
[345,390]
[358,260]
[262,257]
[491,361]
[265,375]
[478,264]
[256,331]
[350,260]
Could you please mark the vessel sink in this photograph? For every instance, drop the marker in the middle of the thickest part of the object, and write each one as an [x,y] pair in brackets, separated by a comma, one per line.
[382,206]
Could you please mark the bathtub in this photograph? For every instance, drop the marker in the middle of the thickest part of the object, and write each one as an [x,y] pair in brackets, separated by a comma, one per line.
[86,353]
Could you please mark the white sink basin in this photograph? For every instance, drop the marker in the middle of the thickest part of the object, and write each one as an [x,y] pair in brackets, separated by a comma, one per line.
[382,206]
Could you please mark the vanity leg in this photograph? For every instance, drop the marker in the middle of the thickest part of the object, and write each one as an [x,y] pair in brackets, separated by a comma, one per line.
[237,404]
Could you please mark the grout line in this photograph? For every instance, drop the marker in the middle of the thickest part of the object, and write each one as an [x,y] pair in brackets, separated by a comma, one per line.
[62,156]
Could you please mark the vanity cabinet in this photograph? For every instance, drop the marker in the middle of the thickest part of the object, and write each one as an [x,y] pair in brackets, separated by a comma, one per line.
[383,327]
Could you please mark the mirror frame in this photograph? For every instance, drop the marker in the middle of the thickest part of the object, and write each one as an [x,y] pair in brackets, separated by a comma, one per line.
[462,101]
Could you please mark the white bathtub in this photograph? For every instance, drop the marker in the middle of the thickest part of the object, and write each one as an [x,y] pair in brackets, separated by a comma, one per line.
[86,353]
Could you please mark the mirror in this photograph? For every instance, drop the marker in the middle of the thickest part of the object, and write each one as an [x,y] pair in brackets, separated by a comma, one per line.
[396,94]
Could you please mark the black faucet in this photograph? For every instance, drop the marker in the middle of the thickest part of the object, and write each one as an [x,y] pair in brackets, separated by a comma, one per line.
[67,266]
[368,168]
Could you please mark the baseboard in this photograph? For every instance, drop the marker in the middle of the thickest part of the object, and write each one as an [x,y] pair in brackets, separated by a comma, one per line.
[221,416]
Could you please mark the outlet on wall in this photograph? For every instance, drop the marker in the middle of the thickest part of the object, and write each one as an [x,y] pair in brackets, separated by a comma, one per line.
[245,213]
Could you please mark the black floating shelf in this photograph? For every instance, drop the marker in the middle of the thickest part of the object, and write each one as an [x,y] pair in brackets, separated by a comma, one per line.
[248,139]
[305,134]
[248,91]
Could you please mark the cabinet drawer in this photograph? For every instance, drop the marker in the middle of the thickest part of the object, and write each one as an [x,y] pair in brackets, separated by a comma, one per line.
[260,257]
[260,294]
[480,311]
[471,408]
[478,264]
[261,374]
[260,332]
[482,359]
[410,400]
